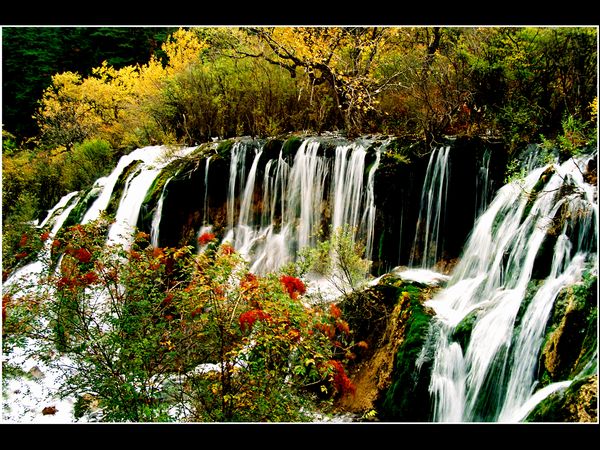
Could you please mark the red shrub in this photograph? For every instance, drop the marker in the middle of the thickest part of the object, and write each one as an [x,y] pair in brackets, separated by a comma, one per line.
[45,235]
[89,278]
[83,255]
[341,382]
[21,255]
[23,241]
[205,238]
[293,285]
[248,318]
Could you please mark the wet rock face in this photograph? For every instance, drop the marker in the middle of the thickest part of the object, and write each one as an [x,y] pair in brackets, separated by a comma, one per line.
[578,403]
[572,332]
[398,185]
[398,188]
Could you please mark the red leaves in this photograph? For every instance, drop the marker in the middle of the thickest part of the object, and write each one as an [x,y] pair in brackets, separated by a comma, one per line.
[206,238]
[82,255]
[341,382]
[72,282]
[21,255]
[293,285]
[89,278]
[248,318]
[23,240]
[44,236]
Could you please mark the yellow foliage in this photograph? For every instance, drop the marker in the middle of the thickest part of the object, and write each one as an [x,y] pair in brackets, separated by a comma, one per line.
[116,104]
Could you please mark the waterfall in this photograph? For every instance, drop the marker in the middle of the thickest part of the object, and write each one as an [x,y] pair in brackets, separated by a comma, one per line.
[493,377]
[157,216]
[205,207]
[482,185]
[28,274]
[427,244]
[270,220]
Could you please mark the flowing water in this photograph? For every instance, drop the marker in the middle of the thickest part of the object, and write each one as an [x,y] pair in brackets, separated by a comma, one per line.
[493,378]
[294,198]
[428,240]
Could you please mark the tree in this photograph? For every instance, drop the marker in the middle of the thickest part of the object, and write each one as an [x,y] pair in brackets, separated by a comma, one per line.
[344,58]
[32,55]
[119,105]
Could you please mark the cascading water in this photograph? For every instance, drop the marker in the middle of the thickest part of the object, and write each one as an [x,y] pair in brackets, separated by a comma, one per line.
[426,248]
[293,198]
[493,378]
[157,216]
[56,217]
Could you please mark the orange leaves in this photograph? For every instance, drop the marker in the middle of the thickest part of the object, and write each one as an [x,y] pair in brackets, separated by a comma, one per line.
[293,286]
[227,249]
[335,311]
[206,238]
[248,318]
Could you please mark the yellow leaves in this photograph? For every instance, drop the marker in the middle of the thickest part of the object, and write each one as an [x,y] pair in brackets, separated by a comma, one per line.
[115,102]
[182,49]
[168,344]
[594,109]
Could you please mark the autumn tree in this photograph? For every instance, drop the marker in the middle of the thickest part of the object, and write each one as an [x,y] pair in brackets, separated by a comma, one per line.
[343,58]
[122,105]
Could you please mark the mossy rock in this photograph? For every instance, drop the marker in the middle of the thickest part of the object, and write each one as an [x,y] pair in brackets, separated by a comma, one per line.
[462,331]
[272,148]
[537,188]
[224,148]
[571,336]
[577,403]
[117,192]
[407,399]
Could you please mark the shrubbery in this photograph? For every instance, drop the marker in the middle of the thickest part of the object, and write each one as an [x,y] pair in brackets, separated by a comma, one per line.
[163,334]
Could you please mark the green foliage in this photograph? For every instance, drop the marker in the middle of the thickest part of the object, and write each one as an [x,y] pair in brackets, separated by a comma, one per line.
[20,237]
[87,162]
[576,136]
[339,259]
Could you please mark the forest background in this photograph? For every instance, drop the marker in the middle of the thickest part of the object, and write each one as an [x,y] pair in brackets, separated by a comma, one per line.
[75,99]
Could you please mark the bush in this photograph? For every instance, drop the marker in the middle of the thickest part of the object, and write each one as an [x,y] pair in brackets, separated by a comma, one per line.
[86,163]
[164,334]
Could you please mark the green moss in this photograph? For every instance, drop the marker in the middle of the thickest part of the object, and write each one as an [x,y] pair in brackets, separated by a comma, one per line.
[574,404]
[117,191]
[77,213]
[272,148]
[224,148]
[407,398]
[150,201]
[291,146]
[462,331]
[570,341]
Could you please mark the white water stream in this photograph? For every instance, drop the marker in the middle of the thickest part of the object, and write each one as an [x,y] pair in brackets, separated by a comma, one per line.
[493,379]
